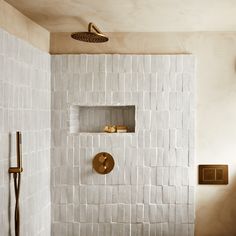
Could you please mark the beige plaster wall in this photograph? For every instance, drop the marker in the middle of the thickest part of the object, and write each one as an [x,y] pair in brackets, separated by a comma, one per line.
[131,15]
[22,27]
[216,108]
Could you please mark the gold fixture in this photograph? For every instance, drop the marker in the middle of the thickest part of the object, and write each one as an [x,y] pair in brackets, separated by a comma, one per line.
[103,163]
[16,171]
[121,129]
[91,37]
[110,129]
[115,129]
[213,174]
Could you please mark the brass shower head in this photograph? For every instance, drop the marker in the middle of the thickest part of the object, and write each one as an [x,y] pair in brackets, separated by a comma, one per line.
[90,37]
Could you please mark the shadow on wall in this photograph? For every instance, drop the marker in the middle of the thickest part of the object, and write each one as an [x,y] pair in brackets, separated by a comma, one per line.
[6,210]
[9,205]
[219,213]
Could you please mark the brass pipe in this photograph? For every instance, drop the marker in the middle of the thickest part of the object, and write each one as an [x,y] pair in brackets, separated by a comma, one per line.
[16,171]
[17,208]
[18,149]
[93,26]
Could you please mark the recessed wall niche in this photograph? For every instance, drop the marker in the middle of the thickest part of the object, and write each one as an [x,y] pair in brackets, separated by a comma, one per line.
[93,119]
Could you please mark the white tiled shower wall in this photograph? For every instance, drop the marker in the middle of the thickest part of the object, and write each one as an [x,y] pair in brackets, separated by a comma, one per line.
[25,102]
[150,192]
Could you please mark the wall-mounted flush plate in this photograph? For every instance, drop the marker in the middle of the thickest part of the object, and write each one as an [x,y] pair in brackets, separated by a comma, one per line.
[213,174]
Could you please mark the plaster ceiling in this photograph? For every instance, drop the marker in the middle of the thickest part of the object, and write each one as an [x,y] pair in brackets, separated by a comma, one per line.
[131,15]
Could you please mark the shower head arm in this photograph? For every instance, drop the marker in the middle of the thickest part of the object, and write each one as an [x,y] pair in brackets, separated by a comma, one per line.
[92,26]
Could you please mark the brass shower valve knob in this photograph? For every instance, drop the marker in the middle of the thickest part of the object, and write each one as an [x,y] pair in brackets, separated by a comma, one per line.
[103,163]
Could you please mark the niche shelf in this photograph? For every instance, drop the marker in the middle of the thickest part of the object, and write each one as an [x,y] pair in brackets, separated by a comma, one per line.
[93,119]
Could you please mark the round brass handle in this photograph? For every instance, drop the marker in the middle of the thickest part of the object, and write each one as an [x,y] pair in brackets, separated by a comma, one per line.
[103,163]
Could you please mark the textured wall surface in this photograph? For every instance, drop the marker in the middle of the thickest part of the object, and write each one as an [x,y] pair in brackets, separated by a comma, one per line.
[22,27]
[151,189]
[25,106]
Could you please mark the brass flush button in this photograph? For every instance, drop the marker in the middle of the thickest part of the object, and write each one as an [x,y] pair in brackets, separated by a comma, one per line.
[103,163]
[213,174]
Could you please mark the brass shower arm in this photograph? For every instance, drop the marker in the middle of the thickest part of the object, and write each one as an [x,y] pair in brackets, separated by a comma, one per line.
[92,26]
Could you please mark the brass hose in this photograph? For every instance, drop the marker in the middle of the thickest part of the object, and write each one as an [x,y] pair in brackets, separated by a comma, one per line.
[16,171]
[17,208]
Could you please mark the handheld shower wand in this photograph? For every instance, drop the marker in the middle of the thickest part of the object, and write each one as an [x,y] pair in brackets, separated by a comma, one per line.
[16,171]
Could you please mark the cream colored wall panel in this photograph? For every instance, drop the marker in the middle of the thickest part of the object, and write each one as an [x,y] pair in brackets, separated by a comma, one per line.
[22,27]
[124,43]
[131,15]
